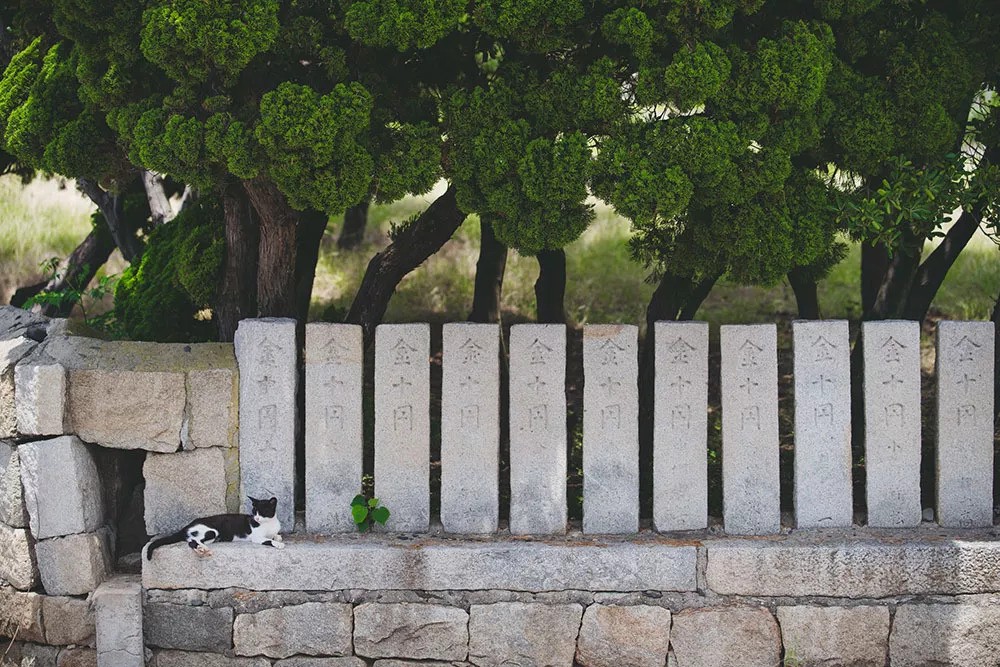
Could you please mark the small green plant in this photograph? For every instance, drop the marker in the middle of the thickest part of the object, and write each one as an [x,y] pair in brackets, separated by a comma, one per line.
[365,510]
[72,294]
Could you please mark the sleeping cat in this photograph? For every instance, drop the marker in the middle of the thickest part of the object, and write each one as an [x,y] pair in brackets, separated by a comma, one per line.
[261,527]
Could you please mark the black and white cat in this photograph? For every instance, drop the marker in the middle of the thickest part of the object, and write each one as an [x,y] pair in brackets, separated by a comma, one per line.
[261,527]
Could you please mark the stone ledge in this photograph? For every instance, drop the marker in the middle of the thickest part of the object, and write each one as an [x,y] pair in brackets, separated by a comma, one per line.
[429,564]
[853,568]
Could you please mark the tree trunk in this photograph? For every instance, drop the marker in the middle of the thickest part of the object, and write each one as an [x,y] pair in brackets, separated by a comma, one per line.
[276,288]
[312,224]
[79,269]
[111,207]
[806,292]
[697,296]
[355,221]
[189,197]
[411,247]
[550,288]
[159,206]
[489,276]
[237,296]
[874,263]
[933,270]
[892,293]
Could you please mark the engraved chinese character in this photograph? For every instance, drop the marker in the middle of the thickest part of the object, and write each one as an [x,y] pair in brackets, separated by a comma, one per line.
[267,418]
[538,418]
[679,352]
[537,384]
[967,415]
[471,352]
[822,349]
[334,417]
[470,416]
[680,416]
[680,384]
[610,351]
[333,383]
[611,416]
[894,413]
[823,381]
[750,417]
[966,349]
[335,350]
[265,383]
[892,351]
[965,382]
[750,354]
[892,381]
[402,353]
[401,382]
[402,418]
[610,384]
[537,352]
[267,351]
[822,413]
[467,381]
[749,385]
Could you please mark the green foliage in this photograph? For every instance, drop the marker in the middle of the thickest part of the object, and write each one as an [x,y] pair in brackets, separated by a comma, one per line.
[73,294]
[365,510]
[403,24]
[160,297]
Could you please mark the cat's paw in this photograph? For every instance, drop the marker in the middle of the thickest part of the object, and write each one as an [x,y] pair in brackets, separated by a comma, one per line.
[278,545]
[203,552]
[277,538]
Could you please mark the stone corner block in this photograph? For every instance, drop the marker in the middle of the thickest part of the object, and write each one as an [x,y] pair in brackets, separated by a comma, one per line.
[68,621]
[75,564]
[212,413]
[313,628]
[405,630]
[635,635]
[183,486]
[118,607]
[12,351]
[519,633]
[40,399]
[62,489]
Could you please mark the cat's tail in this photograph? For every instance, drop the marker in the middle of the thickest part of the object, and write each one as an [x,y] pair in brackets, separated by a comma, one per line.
[174,538]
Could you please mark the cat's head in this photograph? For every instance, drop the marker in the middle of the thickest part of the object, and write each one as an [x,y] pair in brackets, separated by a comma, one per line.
[263,509]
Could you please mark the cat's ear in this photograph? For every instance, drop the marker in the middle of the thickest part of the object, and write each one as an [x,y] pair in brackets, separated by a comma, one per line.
[252,499]
[273,501]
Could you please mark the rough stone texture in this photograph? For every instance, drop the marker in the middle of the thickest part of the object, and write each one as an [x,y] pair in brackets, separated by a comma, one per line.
[334,424]
[857,636]
[75,564]
[313,628]
[31,655]
[513,633]
[183,486]
[77,657]
[402,424]
[415,663]
[936,634]
[212,408]
[12,509]
[17,558]
[470,428]
[537,429]
[68,621]
[62,490]
[325,662]
[118,605]
[610,429]
[822,424]
[430,566]
[965,424]
[852,568]
[411,631]
[41,399]
[266,352]
[188,628]
[750,480]
[15,322]
[189,659]
[21,615]
[12,351]
[635,636]
[155,413]
[747,637]
[680,428]
[892,422]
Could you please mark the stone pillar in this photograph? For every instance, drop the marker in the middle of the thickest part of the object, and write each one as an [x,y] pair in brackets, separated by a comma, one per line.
[610,429]
[892,422]
[266,354]
[470,428]
[334,424]
[680,426]
[118,605]
[537,429]
[822,424]
[965,424]
[62,489]
[402,424]
[750,480]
